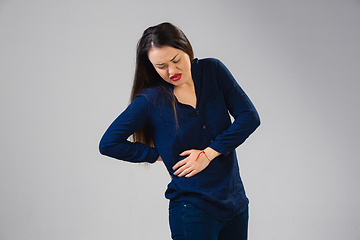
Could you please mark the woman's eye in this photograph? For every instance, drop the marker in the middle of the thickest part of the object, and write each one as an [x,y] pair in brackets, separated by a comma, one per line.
[177,61]
[161,67]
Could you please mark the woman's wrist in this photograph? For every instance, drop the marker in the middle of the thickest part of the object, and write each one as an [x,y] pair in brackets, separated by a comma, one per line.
[211,153]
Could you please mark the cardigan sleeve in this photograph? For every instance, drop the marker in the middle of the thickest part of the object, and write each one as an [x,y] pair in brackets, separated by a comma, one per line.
[246,118]
[114,142]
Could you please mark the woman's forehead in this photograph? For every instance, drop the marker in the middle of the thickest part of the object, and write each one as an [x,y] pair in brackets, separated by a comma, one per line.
[163,54]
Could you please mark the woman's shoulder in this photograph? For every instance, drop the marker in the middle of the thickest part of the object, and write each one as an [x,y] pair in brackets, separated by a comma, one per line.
[208,64]
[151,94]
[208,61]
[148,93]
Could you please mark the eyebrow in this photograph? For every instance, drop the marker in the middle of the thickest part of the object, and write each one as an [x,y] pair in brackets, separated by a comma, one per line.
[158,64]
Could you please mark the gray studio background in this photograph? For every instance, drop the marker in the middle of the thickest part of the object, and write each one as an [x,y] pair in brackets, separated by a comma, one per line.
[66,71]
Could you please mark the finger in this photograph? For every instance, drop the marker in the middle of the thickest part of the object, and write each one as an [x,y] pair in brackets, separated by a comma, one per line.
[179,164]
[180,170]
[192,173]
[184,153]
[185,172]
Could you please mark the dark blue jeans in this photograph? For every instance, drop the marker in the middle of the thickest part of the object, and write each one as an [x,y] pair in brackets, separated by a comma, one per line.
[188,222]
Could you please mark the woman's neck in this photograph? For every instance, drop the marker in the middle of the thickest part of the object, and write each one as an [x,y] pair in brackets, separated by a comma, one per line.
[185,93]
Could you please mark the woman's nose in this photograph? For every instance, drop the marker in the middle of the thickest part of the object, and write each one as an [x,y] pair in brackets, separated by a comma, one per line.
[172,69]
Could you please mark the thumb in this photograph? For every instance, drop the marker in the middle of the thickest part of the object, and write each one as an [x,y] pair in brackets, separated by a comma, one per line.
[184,153]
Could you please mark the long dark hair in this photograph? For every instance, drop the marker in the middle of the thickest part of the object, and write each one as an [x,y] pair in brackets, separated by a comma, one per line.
[164,34]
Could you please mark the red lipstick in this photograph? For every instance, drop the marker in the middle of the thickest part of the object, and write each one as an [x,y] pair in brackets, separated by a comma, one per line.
[176,77]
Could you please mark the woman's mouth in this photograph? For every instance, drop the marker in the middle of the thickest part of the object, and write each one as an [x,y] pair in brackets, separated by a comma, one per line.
[176,77]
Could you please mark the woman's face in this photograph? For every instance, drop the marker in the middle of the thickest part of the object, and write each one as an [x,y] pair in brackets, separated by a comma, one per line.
[172,64]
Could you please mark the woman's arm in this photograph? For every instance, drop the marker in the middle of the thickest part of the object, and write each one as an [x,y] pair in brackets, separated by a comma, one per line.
[246,118]
[114,142]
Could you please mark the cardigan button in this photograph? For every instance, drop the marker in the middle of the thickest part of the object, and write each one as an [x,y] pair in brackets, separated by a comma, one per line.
[197,112]
[212,141]
[204,127]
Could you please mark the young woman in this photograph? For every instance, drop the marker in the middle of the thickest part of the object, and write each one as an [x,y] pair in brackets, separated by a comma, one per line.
[180,114]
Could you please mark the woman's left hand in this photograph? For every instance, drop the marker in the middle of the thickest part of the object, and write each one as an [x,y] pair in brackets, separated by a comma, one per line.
[192,164]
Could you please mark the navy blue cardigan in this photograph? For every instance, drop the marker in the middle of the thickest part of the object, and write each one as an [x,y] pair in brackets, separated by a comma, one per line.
[218,189]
